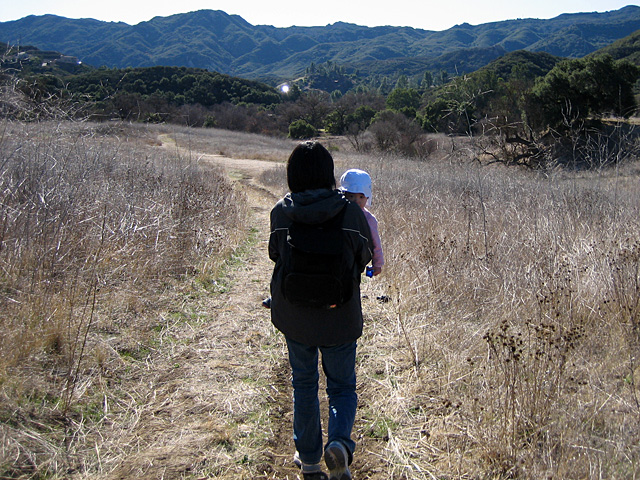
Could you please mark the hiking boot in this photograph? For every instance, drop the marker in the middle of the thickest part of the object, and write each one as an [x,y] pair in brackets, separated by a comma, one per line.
[337,460]
[315,476]
[310,471]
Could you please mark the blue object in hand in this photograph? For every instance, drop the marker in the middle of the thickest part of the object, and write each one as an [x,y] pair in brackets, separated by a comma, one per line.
[369,272]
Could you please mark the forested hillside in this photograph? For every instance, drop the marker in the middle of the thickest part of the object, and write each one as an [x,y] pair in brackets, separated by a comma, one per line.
[216,41]
[627,48]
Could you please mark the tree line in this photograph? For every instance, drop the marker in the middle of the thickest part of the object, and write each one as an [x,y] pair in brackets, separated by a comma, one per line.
[520,98]
[525,101]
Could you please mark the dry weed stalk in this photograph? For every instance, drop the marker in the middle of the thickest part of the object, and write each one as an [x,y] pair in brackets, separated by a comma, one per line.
[507,349]
[624,307]
[86,216]
[479,251]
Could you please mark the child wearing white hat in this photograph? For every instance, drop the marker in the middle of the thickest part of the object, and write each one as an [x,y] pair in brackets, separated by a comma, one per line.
[355,185]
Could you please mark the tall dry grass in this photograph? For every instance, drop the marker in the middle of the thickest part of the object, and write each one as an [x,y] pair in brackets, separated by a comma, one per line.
[511,346]
[94,225]
[508,347]
[510,343]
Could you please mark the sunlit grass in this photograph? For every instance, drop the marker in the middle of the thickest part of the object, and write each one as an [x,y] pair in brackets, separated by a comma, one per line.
[508,347]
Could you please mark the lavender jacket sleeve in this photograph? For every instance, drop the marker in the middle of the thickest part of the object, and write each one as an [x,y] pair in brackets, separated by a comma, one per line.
[378,256]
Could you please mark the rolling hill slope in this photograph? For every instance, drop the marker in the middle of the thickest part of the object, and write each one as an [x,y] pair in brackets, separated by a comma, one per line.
[228,44]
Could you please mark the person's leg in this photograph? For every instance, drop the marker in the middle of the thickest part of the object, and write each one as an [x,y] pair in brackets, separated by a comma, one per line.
[339,363]
[307,432]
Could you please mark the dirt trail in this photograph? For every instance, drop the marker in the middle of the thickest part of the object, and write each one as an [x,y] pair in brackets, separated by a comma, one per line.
[368,461]
[219,398]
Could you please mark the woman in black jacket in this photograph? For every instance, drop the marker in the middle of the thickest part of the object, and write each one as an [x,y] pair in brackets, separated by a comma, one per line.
[332,330]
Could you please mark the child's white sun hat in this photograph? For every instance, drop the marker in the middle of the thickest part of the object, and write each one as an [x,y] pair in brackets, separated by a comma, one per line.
[356,181]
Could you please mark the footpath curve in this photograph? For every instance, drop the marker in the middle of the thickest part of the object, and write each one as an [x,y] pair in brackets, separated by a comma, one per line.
[217,398]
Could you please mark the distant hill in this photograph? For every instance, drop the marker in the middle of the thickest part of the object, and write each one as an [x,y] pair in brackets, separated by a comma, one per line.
[533,64]
[538,64]
[627,48]
[216,41]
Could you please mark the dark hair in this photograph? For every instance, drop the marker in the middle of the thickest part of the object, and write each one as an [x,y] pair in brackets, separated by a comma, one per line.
[310,166]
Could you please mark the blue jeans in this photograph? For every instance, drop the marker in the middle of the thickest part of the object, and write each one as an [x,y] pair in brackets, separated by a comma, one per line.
[339,366]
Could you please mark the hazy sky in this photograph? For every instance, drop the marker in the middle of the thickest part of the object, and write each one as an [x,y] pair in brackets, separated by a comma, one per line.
[425,14]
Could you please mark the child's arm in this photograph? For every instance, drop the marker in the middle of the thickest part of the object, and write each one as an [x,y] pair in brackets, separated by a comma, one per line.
[378,257]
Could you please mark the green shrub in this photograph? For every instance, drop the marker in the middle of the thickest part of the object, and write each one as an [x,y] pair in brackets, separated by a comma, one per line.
[301,129]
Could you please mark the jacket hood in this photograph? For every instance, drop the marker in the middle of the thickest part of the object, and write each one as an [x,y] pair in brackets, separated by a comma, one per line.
[313,206]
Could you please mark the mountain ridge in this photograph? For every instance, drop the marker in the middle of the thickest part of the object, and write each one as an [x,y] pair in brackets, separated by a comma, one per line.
[217,41]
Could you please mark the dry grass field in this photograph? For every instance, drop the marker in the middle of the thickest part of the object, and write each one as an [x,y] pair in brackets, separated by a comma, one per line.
[502,340]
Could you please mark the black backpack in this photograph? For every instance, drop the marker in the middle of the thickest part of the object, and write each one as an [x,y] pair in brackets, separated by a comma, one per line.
[316,274]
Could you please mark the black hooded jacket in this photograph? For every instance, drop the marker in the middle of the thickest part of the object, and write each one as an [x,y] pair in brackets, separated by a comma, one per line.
[319,327]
